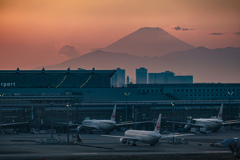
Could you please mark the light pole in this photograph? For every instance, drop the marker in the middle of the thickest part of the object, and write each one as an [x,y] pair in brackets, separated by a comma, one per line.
[229,108]
[154,114]
[68,123]
[1,114]
[51,121]
[76,105]
[126,94]
[173,114]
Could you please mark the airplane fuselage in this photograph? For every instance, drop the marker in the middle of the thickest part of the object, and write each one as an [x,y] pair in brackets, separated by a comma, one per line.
[105,125]
[210,124]
[149,137]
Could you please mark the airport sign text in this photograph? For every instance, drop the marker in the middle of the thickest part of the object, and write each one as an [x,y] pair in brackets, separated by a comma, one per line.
[8,84]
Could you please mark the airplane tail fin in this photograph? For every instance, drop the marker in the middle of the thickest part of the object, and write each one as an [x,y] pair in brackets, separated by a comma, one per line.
[220,112]
[158,124]
[113,113]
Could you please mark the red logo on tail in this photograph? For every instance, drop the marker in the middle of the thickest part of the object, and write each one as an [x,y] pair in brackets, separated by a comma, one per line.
[113,116]
[158,126]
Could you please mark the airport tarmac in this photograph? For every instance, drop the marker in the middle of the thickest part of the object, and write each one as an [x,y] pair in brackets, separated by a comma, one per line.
[23,146]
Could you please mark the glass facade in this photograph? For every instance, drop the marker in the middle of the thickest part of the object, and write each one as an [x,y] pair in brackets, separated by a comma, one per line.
[39,96]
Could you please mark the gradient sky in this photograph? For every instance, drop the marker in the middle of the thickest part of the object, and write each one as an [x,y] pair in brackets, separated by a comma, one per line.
[37,33]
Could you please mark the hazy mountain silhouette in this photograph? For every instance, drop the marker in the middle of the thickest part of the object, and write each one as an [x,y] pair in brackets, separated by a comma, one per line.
[104,60]
[148,42]
[206,65]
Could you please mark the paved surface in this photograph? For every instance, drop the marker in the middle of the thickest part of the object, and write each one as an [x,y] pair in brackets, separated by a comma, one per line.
[94,146]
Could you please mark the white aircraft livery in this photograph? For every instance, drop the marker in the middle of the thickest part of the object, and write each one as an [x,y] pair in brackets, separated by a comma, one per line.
[209,124]
[149,137]
[104,125]
[9,124]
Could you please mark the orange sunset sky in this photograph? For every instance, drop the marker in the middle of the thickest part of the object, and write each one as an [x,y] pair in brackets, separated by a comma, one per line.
[33,31]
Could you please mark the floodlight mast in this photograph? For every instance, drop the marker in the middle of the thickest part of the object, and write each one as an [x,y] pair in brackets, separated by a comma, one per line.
[126,94]
[173,114]
[229,108]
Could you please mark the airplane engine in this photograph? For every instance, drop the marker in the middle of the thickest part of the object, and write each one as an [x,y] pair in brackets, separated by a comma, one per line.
[79,128]
[123,140]
[186,127]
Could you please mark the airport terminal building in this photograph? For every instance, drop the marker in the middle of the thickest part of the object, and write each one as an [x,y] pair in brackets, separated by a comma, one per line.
[37,96]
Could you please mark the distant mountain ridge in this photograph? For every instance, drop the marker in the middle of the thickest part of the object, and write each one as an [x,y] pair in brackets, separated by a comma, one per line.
[206,65]
[159,51]
[148,41]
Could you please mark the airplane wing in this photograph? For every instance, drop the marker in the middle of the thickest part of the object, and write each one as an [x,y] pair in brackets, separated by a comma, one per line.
[89,127]
[190,124]
[175,135]
[124,137]
[65,123]
[8,124]
[112,136]
[231,122]
[129,123]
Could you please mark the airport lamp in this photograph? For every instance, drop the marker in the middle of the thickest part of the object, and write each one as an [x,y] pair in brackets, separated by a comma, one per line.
[68,123]
[126,94]
[229,108]
[51,121]
[173,114]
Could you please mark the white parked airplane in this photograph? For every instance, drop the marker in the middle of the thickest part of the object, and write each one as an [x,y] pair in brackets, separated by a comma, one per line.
[104,125]
[208,124]
[9,130]
[10,124]
[149,137]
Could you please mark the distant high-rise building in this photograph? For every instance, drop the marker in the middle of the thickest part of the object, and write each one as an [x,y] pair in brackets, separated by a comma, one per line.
[180,79]
[141,76]
[159,78]
[127,79]
[168,77]
[118,79]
